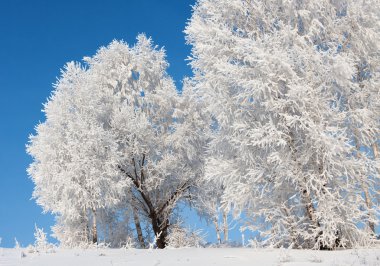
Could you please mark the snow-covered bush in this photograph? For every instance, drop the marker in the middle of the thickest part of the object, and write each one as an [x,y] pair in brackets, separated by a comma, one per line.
[284,256]
[180,237]
[129,243]
[41,243]
[17,244]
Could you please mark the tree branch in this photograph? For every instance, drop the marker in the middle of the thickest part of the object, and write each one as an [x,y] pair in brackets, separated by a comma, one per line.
[174,196]
[144,196]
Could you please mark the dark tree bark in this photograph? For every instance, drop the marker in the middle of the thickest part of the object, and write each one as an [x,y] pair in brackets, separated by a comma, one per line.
[94,228]
[158,215]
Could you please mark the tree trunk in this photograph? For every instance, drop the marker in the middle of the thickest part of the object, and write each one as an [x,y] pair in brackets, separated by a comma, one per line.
[158,213]
[161,240]
[310,210]
[225,227]
[215,220]
[367,198]
[161,232]
[368,202]
[138,227]
[375,149]
[84,223]
[289,226]
[305,193]
[364,186]
[94,228]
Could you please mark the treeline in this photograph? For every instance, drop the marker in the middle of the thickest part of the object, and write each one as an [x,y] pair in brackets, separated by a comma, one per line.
[280,121]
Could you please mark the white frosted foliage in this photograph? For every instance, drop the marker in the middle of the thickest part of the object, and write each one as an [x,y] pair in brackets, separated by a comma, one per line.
[288,84]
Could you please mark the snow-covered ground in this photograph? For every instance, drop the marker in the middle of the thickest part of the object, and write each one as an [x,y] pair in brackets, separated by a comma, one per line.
[191,256]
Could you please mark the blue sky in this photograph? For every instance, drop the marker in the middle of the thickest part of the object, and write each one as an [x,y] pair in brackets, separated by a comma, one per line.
[37,38]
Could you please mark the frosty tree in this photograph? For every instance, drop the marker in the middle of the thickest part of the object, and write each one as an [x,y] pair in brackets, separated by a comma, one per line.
[159,148]
[115,139]
[207,194]
[71,176]
[280,80]
[209,205]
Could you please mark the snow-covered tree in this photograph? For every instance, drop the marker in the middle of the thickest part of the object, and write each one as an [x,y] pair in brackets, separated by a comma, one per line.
[360,44]
[159,150]
[208,203]
[206,196]
[70,171]
[277,80]
[115,139]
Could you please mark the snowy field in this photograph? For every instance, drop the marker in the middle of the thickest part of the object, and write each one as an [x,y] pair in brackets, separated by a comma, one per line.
[191,256]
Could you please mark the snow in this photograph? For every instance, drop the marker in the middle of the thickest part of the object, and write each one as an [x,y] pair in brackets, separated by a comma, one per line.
[190,256]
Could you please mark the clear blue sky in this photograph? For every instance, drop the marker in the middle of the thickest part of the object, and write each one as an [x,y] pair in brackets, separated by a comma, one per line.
[37,38]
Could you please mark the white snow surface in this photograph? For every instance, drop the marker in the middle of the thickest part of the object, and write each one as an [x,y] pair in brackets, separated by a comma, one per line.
[190,256]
